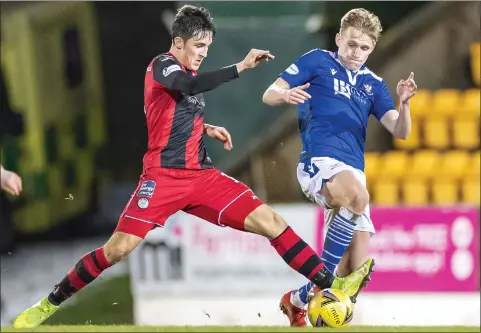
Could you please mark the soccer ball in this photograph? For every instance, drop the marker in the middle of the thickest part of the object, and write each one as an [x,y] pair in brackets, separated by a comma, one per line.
[331,308]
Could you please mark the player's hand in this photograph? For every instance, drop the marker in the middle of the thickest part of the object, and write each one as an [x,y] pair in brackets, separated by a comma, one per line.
[11,182]
[221,134]
[406,88]
[297,95]
[254,58]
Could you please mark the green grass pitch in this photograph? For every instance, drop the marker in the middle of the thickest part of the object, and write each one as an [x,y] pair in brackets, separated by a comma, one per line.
[125,328]
[109,308]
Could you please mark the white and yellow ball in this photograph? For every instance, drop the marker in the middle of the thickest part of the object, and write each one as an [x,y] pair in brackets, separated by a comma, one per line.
[331,308]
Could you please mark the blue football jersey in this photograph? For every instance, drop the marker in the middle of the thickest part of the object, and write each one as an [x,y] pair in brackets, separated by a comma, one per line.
[333,122]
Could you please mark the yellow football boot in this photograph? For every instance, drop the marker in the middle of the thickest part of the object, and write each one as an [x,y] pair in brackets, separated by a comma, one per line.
[356,281]
[35,315]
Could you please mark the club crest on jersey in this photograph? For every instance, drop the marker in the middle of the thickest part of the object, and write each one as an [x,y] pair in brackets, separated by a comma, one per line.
[368,88]
[146,189]
[143,203]
[168,70]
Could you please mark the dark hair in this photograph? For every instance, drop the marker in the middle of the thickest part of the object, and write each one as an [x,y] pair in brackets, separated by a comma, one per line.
[190,21]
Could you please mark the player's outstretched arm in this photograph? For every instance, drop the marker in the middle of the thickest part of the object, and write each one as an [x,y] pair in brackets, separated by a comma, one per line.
[280,92]
[253,59]
[169,74]
[399,123]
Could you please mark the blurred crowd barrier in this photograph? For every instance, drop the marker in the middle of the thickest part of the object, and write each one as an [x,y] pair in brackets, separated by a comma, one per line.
[424,256]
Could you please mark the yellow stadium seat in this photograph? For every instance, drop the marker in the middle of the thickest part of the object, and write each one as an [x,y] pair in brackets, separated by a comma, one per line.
[470,102]
[413,141]
[436,132]
[386,192]
[421,104]
[473,166]
[394,165]
[424,164]
[446,101]
[470,191]
[415,192]
[371,168]
[470,184]
[466,131]
[453,164]
[475,51]
[445,191]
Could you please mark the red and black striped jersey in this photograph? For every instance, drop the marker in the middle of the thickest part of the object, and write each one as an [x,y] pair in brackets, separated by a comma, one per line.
[175,117]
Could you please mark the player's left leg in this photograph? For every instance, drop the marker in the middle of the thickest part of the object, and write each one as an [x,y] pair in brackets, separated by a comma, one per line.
[361,240]
[341,190]
[334,186]
[146,209]
[225,201]
[85,271]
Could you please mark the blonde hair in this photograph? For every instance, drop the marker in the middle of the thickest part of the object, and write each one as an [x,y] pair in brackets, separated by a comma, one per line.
[363,20]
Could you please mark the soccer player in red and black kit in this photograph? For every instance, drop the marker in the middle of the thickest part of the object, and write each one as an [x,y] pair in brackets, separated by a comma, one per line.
[179,175]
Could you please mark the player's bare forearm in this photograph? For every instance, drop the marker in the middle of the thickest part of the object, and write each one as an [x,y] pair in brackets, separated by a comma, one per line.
[402,128]
[281,92]
[405,89]
[398,123]
[275,95]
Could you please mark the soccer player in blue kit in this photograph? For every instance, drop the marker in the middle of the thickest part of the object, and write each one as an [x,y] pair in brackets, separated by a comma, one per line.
[335,93]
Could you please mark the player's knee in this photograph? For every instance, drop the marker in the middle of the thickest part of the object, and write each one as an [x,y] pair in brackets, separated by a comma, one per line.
[278,226]
[327,200]
[358,200]
[266,222]
[116,253]
[119,246]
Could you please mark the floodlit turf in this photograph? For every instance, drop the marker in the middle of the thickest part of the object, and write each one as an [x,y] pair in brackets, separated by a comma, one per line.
[106,328]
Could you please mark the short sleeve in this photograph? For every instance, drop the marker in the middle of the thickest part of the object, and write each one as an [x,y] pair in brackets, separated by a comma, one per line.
[302,70]
[383,102]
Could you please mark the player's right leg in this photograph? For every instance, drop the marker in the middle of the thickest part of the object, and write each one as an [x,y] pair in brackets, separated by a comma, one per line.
[296,252]
[146,209]
[225,201]
[300,256]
